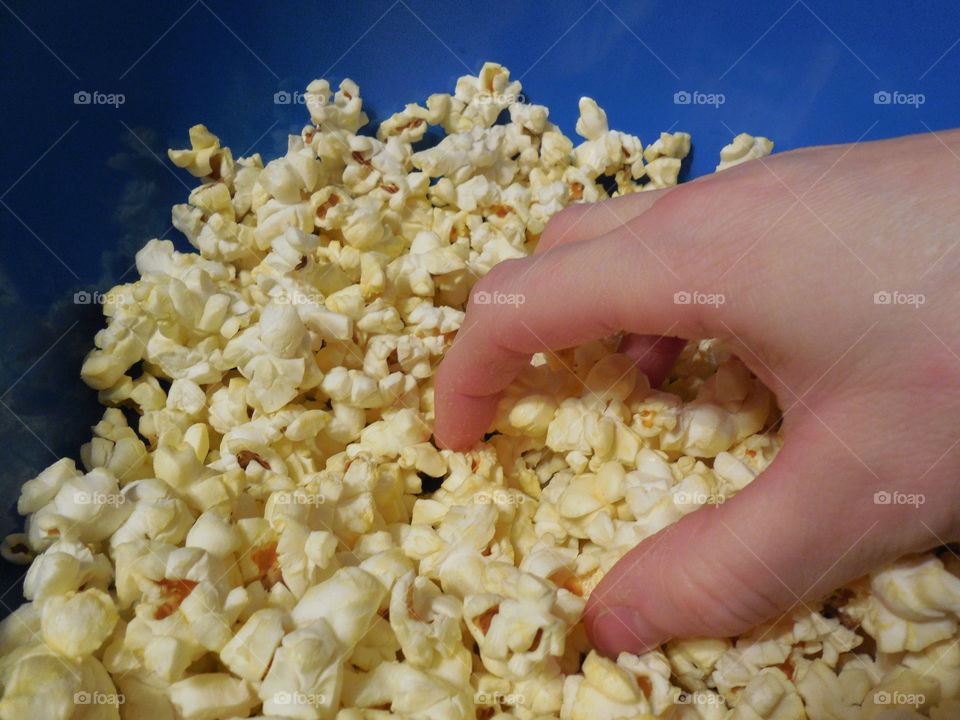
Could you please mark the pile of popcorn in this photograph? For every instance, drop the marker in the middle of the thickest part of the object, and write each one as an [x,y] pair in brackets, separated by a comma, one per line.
[278,537]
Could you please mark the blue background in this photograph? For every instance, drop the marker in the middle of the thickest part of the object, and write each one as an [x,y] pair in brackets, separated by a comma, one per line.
[82,187]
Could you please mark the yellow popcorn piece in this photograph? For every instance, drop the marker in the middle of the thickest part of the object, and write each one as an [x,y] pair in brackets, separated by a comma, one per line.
[210,696]
[744,147]
[76,624]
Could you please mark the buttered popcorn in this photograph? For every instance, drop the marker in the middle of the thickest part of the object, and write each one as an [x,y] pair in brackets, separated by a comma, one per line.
[278,537]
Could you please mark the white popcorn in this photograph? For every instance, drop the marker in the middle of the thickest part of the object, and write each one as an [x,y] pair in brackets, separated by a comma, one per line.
[592,123]
[15,549]
[347,601]
[76,624]
[212,695]
[206,157]
[769,695]
[39,683]
[249,652]
[65,567]
[914,604]
[744,147]
[306,675]
[605,690]
[42,489]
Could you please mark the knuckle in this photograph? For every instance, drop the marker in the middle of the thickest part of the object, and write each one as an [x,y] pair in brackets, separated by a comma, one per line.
[721,603]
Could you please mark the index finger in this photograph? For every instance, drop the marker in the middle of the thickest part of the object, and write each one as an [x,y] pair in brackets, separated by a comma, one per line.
[569,295]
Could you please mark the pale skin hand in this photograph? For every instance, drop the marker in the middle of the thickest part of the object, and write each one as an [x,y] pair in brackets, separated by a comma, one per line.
[871,391]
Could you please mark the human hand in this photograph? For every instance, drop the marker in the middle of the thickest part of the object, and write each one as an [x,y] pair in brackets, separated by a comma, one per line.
[838,270]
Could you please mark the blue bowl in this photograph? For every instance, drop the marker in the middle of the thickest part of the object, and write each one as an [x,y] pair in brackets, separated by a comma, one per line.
[93,96]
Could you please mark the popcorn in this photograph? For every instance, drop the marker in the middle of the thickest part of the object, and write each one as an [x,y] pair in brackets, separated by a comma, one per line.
[744,147]
[426,622]
[210,696]
[306,676]
[347,601]
[76,624]
[914,604]
[249,652]
[66,567]
[604,690]
[14,549]
[769,695]
[206,157]
[39,683]
[278,534]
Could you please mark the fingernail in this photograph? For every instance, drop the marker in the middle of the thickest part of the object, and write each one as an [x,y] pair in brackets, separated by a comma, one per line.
[621,629]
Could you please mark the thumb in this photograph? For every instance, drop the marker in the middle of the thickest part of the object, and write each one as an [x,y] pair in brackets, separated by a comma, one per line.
[807,525]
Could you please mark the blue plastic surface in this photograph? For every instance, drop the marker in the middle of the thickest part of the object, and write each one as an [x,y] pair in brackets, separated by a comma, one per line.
[83,186]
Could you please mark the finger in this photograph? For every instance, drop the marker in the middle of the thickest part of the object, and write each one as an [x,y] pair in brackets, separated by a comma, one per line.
[653,355]
[565,297]
[589,220]
[807,525]
[629,280]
